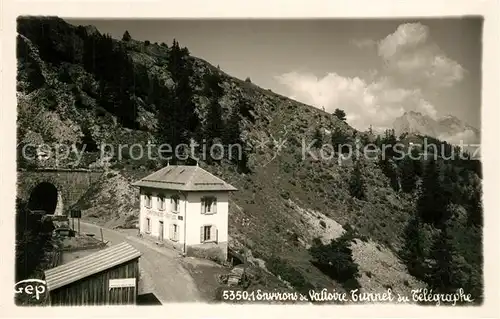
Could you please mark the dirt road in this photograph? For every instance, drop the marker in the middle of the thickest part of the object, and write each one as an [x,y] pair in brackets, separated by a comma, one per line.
[161,269]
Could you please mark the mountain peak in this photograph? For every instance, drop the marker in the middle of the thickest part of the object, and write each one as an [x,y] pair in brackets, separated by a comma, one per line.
[414,122]
[449,116]
[445,127]
[413,113]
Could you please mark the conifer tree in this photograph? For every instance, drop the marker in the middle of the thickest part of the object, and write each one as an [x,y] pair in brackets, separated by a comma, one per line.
[432,204]
[378,141]
[214,92]
[475,207]
[417,163]
[181,120]
[449,181]
[356,183]
[408,176]
[339,141]
[445,274]
[390,170]
[388,143]
[413,251]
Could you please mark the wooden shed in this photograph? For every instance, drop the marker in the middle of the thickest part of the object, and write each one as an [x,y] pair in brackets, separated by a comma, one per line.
[107,277]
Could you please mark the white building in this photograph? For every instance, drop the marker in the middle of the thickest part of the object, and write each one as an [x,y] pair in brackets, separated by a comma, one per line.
[188,207]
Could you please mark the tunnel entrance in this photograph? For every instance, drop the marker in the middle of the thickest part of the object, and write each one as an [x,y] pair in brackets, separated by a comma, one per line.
[44,197]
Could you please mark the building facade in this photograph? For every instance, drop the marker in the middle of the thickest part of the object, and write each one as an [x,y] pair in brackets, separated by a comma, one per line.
[187,207]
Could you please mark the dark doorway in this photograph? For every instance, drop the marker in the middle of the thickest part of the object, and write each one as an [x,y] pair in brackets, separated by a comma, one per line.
[43,197]
[148,299]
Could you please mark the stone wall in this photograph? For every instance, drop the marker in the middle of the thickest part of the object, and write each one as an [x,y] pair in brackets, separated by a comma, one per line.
[212,251]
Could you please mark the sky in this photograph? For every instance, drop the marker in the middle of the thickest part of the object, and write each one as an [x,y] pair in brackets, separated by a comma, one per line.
[374,70]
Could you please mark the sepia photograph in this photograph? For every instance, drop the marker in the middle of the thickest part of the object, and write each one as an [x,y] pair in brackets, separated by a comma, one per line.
[249,161]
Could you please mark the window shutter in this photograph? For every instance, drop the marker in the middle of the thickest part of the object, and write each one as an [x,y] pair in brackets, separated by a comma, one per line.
[201,234]
[214,205]
[177,234]
[171,231]
[213,233]
[202,205]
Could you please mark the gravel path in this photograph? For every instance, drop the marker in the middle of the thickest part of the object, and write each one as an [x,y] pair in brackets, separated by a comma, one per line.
[161,270]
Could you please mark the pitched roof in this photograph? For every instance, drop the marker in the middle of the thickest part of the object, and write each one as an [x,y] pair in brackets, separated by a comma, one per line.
[184,178]
[89,265]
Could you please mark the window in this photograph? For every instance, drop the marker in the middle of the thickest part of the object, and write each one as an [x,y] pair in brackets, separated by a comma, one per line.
[174,201]
[209,205]
[174,232]
[148,225]
[161,202]
[160,230]
[208,233]
[148,200]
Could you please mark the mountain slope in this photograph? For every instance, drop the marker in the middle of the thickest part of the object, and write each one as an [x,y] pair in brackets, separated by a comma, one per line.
[285,199]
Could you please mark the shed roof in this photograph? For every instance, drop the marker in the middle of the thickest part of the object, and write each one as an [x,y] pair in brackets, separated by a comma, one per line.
[184,178]
[89,265]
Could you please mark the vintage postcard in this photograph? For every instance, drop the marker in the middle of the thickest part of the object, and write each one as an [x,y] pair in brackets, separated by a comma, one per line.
[335,161]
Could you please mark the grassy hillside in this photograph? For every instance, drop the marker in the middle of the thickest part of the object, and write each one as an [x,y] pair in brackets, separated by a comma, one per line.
[86,89]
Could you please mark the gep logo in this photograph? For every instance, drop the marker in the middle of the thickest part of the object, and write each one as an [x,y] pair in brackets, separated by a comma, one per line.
[33,288]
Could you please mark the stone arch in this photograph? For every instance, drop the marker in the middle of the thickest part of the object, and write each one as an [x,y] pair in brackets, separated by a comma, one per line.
[71,185]
[46,196]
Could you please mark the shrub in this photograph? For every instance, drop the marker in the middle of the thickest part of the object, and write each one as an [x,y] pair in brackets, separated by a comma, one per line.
[318,138]
[322,223]
[295,238]
[151,164]
[248,80]
[118,166]
[146,43]
[33,241]
[335,260]
[282,268]
[356,183]
[126,36]
[285,195]
[64,74]
[340,114]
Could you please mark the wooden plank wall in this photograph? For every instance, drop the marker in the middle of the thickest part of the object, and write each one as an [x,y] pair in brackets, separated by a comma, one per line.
[94,290]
